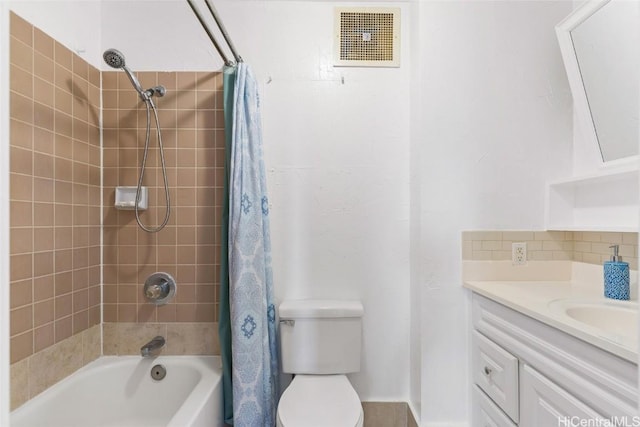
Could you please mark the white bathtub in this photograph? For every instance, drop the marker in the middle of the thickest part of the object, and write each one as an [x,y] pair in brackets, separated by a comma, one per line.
[118,391]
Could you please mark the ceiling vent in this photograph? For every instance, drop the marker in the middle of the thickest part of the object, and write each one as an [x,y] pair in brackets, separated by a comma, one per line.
[367,37]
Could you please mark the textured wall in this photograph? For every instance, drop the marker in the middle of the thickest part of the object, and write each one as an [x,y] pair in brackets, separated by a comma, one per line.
[495,126]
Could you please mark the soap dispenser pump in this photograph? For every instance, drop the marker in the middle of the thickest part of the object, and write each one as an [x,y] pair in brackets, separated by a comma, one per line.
[616,277]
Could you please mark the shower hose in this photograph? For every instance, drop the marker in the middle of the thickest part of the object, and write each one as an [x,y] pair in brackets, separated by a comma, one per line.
[151,107]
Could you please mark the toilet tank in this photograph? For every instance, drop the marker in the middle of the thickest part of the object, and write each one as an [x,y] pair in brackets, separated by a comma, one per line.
[320,336]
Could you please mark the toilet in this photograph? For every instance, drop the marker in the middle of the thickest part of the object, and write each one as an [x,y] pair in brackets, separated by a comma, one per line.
[320,342]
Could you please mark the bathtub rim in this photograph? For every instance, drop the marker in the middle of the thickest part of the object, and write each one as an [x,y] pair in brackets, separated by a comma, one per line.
[213,363]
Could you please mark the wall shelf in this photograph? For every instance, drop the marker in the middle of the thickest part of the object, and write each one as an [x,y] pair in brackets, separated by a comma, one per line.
[609,201]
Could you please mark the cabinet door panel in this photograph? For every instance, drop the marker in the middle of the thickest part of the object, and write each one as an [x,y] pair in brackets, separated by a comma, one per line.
[486,413]
[495,371]
[543,403]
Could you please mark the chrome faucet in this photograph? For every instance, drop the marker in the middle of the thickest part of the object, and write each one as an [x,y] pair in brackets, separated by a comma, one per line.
[152,346]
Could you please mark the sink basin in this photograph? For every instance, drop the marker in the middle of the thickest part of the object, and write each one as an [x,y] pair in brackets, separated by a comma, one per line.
[616,318]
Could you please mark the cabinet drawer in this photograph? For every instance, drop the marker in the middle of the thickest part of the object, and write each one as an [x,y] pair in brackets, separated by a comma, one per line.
[495,371]
[486,413]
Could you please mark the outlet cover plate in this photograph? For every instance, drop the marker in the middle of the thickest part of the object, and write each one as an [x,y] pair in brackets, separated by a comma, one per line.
[519,253]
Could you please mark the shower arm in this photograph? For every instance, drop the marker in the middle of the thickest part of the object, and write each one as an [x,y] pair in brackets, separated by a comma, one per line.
[222,29]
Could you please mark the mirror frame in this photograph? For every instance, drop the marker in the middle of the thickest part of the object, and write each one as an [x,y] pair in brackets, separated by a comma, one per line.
[580,100]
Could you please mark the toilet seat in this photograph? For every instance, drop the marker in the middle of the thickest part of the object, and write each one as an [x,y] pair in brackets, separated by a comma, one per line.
[320,401]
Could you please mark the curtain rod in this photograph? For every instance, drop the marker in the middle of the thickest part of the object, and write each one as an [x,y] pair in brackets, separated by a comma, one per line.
[222,29]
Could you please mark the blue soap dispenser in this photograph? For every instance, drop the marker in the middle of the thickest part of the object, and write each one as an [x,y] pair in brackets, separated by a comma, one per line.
[616,277]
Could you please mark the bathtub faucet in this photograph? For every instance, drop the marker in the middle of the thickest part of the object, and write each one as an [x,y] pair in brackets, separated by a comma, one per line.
[155,344]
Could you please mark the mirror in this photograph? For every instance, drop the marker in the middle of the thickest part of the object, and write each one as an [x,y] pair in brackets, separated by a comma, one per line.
[600,42]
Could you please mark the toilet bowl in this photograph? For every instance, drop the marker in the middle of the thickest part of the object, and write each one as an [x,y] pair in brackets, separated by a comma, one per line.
[320,342]
[320,401]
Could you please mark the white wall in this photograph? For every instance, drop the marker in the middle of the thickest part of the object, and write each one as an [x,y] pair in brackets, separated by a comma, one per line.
[415,297]
[338,159]
[337,156]
[496,126]
[4,216]
[159,35]
[74,23]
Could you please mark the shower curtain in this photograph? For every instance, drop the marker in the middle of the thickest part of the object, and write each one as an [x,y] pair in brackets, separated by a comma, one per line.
[251,314]
[224,319]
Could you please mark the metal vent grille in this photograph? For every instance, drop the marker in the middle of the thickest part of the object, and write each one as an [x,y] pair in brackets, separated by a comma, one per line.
[367,37]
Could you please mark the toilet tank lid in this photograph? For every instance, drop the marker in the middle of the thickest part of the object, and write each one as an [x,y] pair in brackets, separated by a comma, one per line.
[312,309]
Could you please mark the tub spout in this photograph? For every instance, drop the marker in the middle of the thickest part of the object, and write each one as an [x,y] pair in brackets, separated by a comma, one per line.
[152,346]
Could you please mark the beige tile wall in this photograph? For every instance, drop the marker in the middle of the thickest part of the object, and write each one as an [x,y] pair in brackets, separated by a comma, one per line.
[56,212]
[181,338]
[55,192]
[188,248]
[584,246]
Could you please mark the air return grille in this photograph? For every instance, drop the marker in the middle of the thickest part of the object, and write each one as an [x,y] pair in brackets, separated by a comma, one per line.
[367,37]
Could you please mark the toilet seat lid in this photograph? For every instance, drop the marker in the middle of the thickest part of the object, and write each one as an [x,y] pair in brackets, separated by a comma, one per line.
[319,401]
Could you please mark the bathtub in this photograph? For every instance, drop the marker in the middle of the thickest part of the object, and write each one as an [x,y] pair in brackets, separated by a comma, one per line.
[118,391]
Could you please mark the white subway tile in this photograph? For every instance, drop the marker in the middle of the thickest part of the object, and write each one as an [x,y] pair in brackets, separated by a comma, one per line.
[491,245]
[517,236]
[551,245]
[482,255]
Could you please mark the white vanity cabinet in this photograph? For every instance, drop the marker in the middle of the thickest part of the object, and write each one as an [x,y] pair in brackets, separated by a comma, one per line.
[544,403]
[495,371]
[529,374]
[486,413]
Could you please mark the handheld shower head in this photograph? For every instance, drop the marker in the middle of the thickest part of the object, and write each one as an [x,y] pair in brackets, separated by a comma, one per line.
[115,59]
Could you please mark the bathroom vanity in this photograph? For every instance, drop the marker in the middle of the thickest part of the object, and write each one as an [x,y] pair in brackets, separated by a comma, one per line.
[544,351]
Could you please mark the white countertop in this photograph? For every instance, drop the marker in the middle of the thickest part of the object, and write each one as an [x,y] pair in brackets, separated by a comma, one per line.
[542,298]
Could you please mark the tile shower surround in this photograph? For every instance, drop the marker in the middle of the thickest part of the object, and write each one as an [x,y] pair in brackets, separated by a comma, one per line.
[188,248]
[56,212]
[54,192]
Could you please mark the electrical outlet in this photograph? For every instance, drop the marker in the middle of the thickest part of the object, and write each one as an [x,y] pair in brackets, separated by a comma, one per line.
[519,253]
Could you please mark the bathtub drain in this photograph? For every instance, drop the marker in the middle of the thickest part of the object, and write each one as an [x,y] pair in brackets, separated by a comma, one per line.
[158,372]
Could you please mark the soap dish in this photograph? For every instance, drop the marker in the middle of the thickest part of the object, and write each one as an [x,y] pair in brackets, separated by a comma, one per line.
[126,198]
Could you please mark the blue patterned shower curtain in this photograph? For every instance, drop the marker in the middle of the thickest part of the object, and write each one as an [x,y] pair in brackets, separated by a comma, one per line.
[252,312]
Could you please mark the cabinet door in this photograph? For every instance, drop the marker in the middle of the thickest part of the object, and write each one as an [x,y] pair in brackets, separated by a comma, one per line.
[543,403]
[495,371]
[486,413]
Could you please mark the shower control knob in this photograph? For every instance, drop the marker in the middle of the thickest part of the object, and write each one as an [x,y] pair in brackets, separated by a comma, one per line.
[159,288]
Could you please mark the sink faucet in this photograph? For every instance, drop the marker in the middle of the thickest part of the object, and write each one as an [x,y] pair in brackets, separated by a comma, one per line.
[155,344]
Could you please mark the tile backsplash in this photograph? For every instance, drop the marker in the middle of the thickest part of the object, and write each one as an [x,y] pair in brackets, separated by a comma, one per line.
[584,246]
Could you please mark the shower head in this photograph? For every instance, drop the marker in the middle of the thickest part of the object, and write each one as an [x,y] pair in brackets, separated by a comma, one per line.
[115,59]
